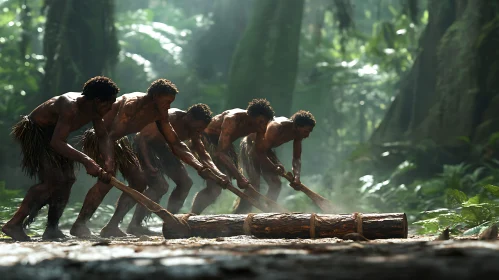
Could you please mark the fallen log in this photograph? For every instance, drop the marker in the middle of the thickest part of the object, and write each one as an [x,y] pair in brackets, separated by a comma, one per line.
[294,225]
[273,225]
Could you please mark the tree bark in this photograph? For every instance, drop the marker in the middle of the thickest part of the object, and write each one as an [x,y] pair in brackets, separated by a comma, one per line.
[213,48]
[80,42]
[450,91]
[266,59]
[295,225]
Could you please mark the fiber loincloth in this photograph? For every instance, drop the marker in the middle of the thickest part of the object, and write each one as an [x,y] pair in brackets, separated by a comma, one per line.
[36,149]
[123,151]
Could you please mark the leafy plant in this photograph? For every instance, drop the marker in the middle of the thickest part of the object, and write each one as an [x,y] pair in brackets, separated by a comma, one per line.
[470,215]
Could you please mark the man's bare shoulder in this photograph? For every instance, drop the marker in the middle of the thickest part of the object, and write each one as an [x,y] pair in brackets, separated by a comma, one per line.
[231,114]
[175,112]
[71,96]
[280,120]
[131,97]
[66,104]
[235,112]
[278,123]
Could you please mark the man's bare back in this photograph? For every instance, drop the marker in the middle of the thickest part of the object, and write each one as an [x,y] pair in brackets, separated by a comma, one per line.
[131,113]
[47,114]
[279,131]
[237,122]
[151,133]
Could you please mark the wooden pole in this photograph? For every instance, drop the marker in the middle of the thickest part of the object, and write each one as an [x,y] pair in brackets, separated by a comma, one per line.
[324,204]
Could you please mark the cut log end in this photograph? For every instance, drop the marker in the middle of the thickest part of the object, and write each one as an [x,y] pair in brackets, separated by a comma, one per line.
[174,227]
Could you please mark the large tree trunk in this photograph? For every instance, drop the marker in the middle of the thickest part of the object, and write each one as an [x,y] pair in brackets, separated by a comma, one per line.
[80,42]
[452,89]
[266,59]
[213,48]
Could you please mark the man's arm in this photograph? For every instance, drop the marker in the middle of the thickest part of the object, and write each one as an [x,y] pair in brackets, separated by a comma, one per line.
[263,145]
[178,147]
[106,146]
[222,152]
[204,156]
[297,160]
[59,144]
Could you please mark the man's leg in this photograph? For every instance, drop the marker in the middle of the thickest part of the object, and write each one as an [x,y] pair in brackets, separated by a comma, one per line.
[93,199]
[183,183]
[274,183]
[137,181]
[157,187]
[205,197]
[243,206]
[36,197]
[63,182]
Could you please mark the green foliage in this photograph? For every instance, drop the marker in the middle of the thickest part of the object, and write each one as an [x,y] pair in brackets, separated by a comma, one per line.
[470,215]
[8,200]
[412,179]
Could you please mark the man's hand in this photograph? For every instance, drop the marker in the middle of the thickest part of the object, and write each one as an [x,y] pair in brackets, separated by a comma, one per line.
[151,170]
[92,168]
[279,169]
[296,183]
[243,183]
[207,174]
[223,179]
[105,176]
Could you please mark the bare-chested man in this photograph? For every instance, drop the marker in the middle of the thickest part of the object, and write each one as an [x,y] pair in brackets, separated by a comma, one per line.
[157,159]
[47,155]
[130,114]
[218,137]
[258,158]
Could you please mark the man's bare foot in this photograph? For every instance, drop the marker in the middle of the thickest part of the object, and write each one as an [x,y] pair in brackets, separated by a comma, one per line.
[109,231]
[53,233]
[80,230]
[140,230]
[15,232]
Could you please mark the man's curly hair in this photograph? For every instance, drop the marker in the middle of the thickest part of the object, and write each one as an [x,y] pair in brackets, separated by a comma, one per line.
[260,107]
[162,86]
[303,118]
[100,87]
[200,112]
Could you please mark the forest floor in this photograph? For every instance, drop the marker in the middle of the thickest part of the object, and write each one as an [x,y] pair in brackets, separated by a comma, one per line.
[243,257]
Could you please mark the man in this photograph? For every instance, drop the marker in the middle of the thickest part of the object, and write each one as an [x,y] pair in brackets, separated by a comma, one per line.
[130,114]
[258,158]
[46,154]
[157,159]
[218,137]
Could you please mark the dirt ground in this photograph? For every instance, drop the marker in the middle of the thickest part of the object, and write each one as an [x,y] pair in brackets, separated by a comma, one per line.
[244,257]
